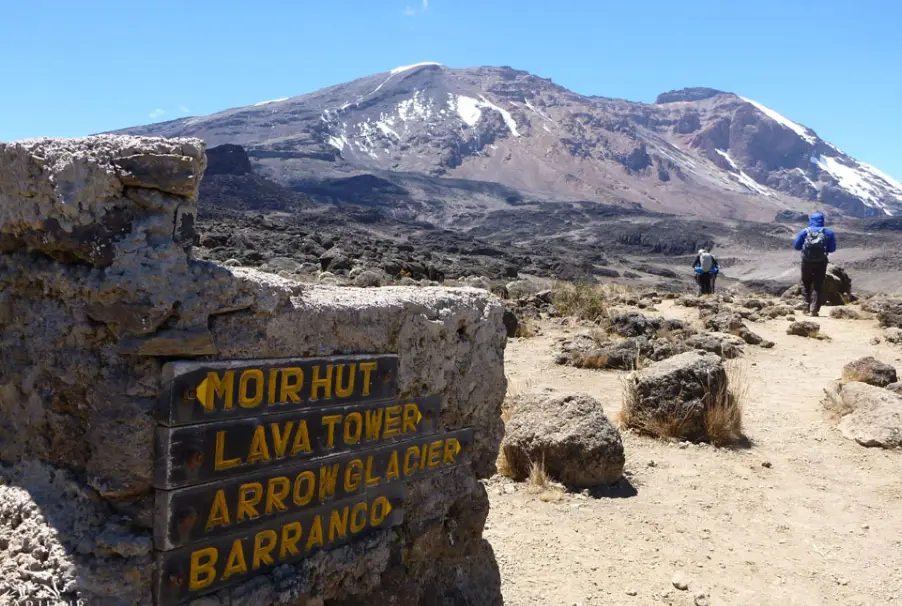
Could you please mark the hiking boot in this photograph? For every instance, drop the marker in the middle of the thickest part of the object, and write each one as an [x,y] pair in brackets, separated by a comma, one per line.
[814,314]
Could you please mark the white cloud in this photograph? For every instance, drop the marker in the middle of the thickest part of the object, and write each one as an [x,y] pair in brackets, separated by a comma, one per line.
[410,12]
[157,113]
[184,109]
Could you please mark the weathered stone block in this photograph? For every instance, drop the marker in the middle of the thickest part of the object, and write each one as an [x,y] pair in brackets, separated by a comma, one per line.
[86,327]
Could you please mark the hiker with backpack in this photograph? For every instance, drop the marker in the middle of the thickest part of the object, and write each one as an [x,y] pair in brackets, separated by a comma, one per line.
[706,269]
[816,242]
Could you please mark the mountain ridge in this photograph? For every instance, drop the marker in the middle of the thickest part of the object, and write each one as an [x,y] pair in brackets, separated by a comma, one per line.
[696,151]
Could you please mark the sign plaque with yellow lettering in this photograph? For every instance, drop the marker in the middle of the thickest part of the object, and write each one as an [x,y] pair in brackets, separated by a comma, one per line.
[260,463]
[211,451]
[192,571]
[196,392]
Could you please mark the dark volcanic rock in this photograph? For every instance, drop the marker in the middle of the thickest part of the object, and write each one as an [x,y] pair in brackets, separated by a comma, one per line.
[871,371]
[670,398]
[697,93]
[227,160]
[804,328]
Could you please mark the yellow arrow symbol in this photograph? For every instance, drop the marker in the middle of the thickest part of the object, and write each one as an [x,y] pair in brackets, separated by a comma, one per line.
[205,395]
[456,447]
[419,415]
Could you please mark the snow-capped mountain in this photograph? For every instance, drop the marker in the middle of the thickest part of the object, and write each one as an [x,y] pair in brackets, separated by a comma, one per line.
[695,151]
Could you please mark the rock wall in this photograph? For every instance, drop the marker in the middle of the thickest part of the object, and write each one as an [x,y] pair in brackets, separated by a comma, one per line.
[98,291]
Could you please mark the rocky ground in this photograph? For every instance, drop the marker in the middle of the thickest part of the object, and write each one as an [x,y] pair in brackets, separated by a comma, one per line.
[801,513]
[248,220]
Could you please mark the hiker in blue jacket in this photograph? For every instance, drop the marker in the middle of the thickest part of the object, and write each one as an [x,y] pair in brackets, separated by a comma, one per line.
[816,242]
[706,268]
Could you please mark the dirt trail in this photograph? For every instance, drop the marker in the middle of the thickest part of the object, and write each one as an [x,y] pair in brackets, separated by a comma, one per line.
[803,517]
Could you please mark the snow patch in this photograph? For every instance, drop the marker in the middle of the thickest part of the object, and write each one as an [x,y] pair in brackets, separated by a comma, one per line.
[270,101]
[418,106]
[784,121]
[508,119]
[807,178]
[384,125]
[469,110]
[338,142]
[852,180]
[893,184]
[537,110]
[744,178]
[545,126]
[405,68]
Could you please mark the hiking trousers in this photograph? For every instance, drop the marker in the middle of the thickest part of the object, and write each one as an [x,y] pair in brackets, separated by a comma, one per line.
[705,283]
[813,275]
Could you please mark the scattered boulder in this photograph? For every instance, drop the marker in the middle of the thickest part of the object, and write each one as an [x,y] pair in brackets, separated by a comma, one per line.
[476,282]
[277,264]
[675,398]
[845,313]
[778,311]
[837,286]
[753,304]
[869,370]
[334,260]
[804,328]
[569,434]
[733,324]
[620,354]
[893,335]
[725,345]
[869,415]
[367,279]
[891,315]
[635,324]
[519,289]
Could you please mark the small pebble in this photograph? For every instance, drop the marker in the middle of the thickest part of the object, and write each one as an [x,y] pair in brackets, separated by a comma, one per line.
[766,464]
[680,581]
[701,600]
[632,592]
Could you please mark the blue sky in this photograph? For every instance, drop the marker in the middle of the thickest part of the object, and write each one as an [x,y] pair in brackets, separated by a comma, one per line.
[71,68]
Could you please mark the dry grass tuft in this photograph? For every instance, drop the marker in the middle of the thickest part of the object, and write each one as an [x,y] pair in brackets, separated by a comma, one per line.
[503,464]
[527,328]
[583,301]
[538,477]
[723,412]
[539,483]
[631,416]
[599,362]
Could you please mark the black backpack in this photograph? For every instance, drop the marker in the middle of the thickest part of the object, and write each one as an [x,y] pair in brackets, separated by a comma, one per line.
[815,246]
